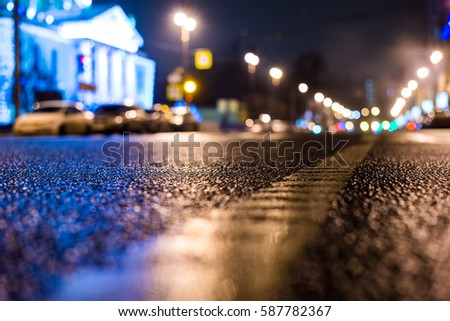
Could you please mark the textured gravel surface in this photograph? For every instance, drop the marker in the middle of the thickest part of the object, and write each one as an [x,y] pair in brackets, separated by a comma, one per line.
[61,210]
[388,237]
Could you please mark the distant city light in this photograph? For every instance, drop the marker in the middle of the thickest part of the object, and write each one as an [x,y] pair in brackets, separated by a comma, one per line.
[303,88]
[41,16]
[356,114]
[427,106]
[386,125]
[276,74]
[31,13]
[436,57]
[180,19]
[411,126]
[265,118]
[317,129]
[252,61]
[349,126]
[249,122]
[190,24]
[375,111]
[375,126]
[190,86]
[423,72]
[67,5]
[319,97]
[364,126]
[10,6]
[131,114]
[327,102]
[347,113]
[398,106]
[406,92]
[365,112]
[49,19]
[442,100]
[413,85]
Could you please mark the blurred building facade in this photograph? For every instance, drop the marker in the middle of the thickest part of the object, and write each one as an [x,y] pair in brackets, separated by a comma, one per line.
[87,53]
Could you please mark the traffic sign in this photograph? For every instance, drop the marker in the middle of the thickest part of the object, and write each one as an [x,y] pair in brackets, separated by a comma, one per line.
[174,92]
[203,59]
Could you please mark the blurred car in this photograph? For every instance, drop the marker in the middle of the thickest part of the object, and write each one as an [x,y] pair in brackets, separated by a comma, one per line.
[55,117]
[181,119]
[157,121]
[119,118]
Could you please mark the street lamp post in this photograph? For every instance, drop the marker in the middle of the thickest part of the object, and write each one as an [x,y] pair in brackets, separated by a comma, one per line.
[422,93]
[438,72]
[252,61]
[276,74]
[303,89]
[186,24]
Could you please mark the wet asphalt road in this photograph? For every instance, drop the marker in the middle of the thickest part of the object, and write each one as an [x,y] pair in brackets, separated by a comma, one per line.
[388,236]
[73,228]
[62,209]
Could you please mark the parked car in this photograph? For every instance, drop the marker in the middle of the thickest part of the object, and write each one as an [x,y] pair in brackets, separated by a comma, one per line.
[157,121]
[181,119]
[119,119]
[55,117]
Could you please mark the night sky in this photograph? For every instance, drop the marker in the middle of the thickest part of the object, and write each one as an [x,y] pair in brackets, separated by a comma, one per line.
[357,38]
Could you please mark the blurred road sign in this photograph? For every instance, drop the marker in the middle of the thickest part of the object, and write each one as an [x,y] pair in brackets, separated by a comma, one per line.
[203,59]
[174,92]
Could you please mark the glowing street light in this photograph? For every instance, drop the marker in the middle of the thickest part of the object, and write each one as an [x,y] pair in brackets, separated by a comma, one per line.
[398,106]
[436,57]
[413,85]
[276,74]
[406,92]
[190,86]
[180,19]
[303,88]
[319,97]
[187,25]
[327,102]
[265,118]
[423,72]
[252,61]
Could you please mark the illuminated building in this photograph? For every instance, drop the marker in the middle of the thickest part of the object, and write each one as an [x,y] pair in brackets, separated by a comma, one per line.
[87,53]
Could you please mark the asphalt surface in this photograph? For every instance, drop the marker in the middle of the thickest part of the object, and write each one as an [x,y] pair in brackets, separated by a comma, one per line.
[74,228]
[388,236]
[63,209]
